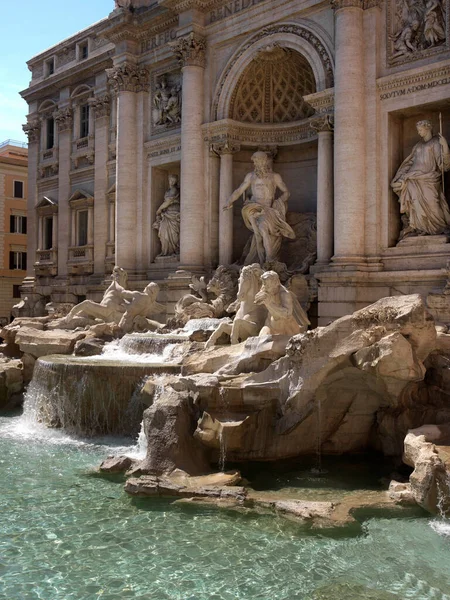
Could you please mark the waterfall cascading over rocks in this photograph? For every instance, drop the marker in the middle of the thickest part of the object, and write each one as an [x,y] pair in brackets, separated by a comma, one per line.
[89,397]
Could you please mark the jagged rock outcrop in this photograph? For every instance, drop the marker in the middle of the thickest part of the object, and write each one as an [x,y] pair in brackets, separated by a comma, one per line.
[169,425]
[430,480]
[11,381]
[327,391]
[43,343]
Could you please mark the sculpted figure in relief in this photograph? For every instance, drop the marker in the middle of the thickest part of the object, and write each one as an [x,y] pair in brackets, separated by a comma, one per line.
[112,305]
[418,183]
[250,317]
[285,314]
[168,220]
[434,28]
[263,213]
[141,305]
[167,103]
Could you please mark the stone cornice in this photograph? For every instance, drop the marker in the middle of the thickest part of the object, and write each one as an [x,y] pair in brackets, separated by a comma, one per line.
[413,81]
[179,6]
[128,78]
[322,102]
[364,4]
[233,132]
[73,75]
[190,50]
[127,26]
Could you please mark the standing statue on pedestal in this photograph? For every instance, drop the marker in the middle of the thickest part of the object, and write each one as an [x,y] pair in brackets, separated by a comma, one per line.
[264,214]
[168,220]
[418,183]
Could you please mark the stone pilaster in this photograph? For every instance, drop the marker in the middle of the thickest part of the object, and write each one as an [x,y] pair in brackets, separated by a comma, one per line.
[101,107]
[126,80]
[226,151]
[190,51]
[325,209]
[32,130]
[64,121]
[350,135]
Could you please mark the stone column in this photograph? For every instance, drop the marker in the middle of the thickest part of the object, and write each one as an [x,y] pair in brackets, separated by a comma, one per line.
[33,131]
[64,121]
[126,80]
[190,51]
[325,209]
[55,231]
[350,138]
[226,151]
[100,108]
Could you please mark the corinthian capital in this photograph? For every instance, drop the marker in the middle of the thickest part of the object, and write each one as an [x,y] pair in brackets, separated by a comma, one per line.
[338,4]
[102,106]
[33,130]
[128,78]
[324,123]
[64,119]
[225,147]
[190,50]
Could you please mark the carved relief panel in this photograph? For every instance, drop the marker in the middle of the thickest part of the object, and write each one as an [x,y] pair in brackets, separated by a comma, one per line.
[416,29]
[166,101]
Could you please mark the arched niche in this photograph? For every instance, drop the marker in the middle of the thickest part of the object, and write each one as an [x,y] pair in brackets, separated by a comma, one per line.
[299,38]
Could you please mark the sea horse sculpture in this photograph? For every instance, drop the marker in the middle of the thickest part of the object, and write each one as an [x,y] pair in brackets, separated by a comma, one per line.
[250,317]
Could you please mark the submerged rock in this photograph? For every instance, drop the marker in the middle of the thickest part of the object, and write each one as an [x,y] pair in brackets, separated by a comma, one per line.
[169,425]
[117,464]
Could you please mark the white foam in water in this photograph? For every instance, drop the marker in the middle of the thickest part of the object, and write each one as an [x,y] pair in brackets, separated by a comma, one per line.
[442,527]
[115,351]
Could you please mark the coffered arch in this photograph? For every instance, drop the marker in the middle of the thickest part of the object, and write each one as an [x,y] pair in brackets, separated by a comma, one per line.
[302,38]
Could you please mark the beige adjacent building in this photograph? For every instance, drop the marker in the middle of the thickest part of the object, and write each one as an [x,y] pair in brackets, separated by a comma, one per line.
[331,90]
[13,224]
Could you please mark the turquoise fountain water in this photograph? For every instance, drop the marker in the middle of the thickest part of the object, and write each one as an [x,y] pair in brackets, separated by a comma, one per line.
[67,534]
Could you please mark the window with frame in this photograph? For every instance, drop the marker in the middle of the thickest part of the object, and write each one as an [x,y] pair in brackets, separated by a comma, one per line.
[50,67]
[16,291]
[83,51]
[84,120]
[50,138]
[18,189]
[18,261]
[83,218]
[48,233]
[17,224]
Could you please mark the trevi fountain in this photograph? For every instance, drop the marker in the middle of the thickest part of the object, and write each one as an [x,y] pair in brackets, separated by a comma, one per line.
[235,392]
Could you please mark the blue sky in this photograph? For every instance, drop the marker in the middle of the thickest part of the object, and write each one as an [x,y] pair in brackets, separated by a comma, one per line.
[28,27]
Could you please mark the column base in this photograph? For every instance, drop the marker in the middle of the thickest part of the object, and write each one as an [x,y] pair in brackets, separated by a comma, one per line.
[348,263]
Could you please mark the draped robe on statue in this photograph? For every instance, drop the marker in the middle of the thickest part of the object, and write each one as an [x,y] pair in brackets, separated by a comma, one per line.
[418,185]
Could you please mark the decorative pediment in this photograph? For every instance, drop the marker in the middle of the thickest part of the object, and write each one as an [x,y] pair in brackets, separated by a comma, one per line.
[81,199]
[47,206]
[46,201]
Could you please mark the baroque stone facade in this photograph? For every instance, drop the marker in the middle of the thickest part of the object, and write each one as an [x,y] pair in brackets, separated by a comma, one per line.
[189,91]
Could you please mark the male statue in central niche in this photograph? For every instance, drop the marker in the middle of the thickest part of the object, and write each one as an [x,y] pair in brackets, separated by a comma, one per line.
[418,183]
[263,213]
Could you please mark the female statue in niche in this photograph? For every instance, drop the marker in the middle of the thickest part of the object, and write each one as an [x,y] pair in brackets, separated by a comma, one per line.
[418,183]
[168,220]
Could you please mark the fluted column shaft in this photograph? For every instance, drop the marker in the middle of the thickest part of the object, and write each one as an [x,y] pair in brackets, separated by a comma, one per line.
[349,147]
[190,51]
[126,80]
[325,208]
